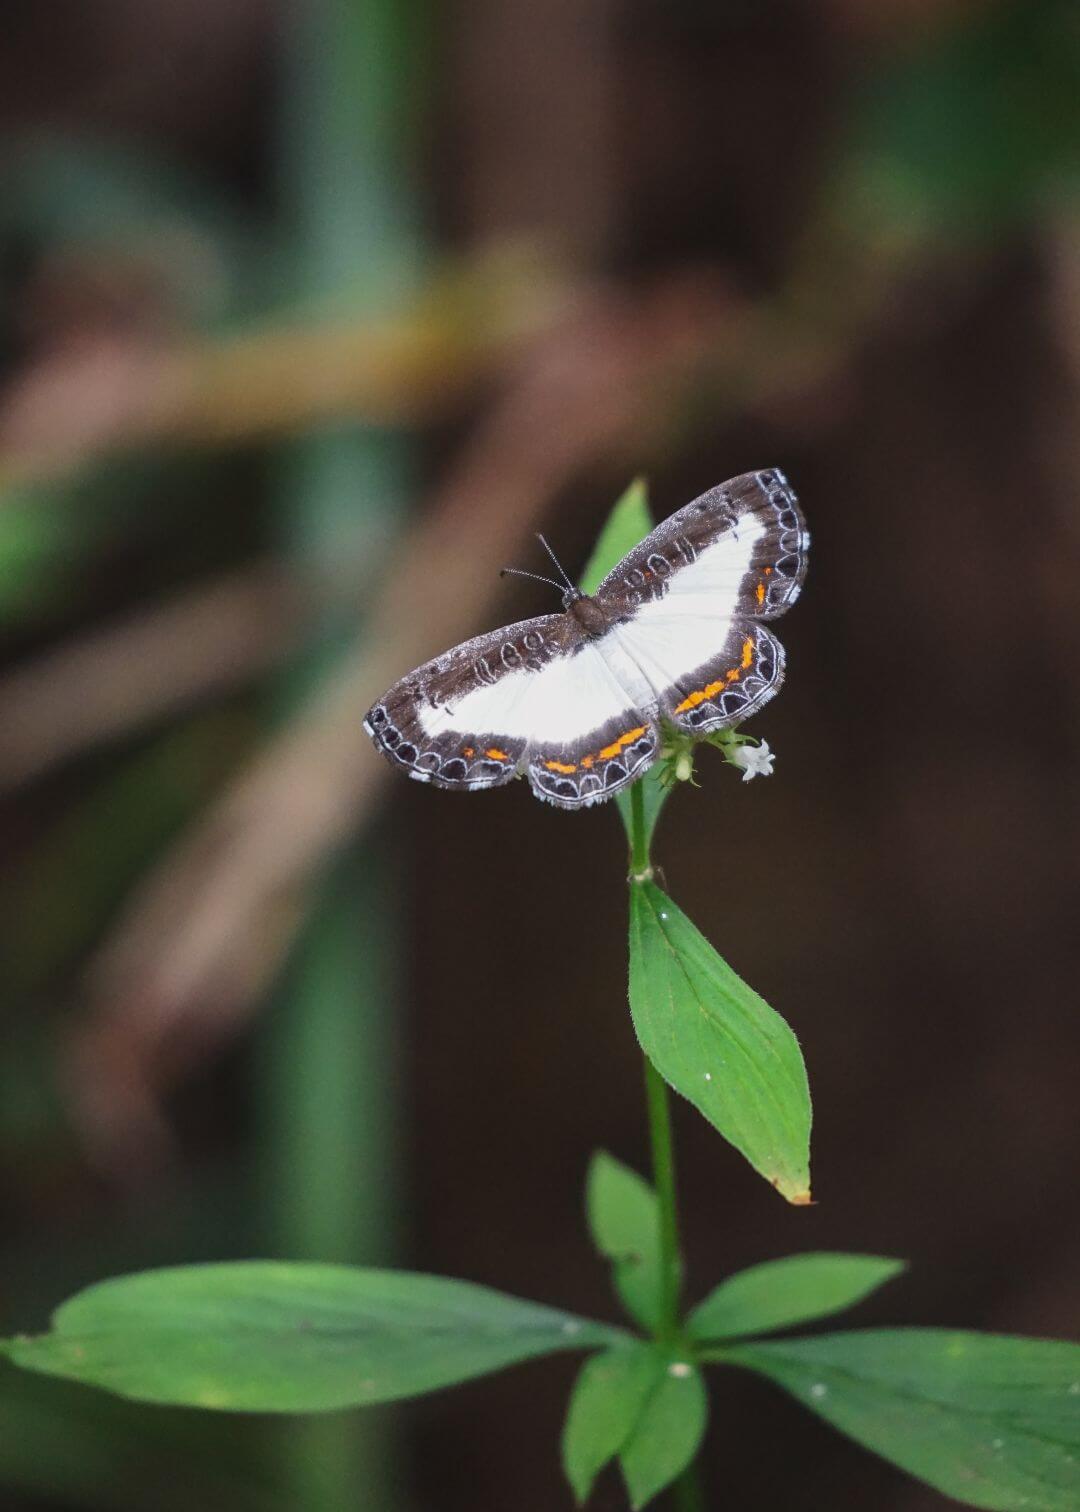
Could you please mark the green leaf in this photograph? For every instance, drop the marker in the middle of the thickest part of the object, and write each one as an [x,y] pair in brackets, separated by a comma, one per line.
[668,1433]
[606,1402]
[975,129]
[719,1044]
[784,1292]
[991,1420]
[262,1336]
[627,524]
[624,1220]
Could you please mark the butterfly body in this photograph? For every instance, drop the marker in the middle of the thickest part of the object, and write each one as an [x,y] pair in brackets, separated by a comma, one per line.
[577,701]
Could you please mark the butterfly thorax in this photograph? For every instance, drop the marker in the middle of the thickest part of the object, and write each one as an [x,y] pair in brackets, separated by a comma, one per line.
[590,615]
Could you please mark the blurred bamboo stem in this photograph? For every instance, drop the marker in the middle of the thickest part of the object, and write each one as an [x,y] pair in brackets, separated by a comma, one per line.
[326,1087]
[111,682]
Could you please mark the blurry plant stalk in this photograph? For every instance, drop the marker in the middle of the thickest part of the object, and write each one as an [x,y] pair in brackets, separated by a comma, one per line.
[100,396]
[782,356]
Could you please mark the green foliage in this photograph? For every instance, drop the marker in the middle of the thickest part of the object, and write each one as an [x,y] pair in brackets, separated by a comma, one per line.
[654,795]
[714,1040]
[606,1404]
[668,1434]
[624,1220]
[627,524]
[781,1293]
[993,1421]
[37,532]
[970,132]
[642,1402]
[134,205]
[261,1336]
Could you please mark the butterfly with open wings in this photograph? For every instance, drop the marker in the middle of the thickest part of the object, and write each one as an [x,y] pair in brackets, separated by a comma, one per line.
[674,634]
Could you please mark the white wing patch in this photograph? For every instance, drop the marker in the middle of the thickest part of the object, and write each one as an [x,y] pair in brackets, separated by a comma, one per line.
[666,650]
[560,703]
[668,638]
[709,586]
[631,667]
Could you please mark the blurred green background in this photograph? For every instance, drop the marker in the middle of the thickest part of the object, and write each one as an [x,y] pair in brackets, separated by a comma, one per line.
[312,314]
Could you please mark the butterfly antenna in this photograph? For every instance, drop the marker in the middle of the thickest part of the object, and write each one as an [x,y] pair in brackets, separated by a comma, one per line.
[562,572]
[517,572]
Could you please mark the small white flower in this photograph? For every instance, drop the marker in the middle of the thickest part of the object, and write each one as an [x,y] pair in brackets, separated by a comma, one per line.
[755,760]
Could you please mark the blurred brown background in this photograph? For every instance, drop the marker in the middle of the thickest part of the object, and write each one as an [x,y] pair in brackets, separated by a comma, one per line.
[311,315]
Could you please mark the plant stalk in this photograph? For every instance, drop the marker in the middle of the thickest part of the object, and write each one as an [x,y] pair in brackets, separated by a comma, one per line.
[686,1492]
[663,1164]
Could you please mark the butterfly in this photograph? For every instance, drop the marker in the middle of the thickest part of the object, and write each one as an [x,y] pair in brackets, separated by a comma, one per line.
[577,701]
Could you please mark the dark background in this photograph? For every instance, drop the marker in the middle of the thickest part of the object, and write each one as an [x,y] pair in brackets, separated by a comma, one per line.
[310,317]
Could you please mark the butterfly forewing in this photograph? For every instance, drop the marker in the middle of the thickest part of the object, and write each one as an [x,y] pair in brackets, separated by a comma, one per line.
[738,549]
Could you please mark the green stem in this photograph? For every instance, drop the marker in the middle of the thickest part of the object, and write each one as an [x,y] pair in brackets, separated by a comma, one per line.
[656,1095]
[663,1164]
[639,839]
[686,1492]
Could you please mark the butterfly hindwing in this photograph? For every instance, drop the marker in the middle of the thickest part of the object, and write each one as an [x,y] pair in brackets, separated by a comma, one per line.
[579,773]
[741,548]
[728,687]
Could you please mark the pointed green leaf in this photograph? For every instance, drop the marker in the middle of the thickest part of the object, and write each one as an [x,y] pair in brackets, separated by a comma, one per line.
[606,1402]
[719,1044]
[780,1293]
[262,1336]
[991,1420]
[627,524]
[668,1433]
[624,1220]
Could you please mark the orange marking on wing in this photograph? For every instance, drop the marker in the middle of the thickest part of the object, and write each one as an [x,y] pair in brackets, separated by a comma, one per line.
[496,754]
[759,593]
[560,766]
[587,761]
[468,751]
[699,695]
[768,570]
[616,745]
